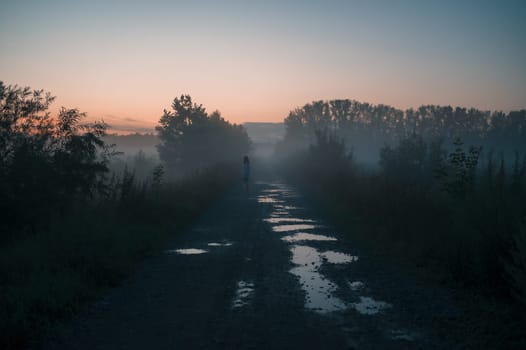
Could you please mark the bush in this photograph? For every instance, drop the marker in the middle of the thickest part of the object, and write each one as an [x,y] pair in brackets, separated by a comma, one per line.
[48,276]
[67,230]
[516,266]
[45,163]
[438,210]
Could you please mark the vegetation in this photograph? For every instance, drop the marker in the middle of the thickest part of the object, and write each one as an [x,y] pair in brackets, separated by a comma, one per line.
[141,164]
[367,128]
[192,139]
[69,226]
[46,163]
[432,199]
[50,275]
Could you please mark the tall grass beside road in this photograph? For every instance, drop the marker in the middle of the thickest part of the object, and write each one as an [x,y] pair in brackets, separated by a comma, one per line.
[51,275]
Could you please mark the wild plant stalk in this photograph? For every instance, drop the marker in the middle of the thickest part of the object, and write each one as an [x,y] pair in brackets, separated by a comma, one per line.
[437,208]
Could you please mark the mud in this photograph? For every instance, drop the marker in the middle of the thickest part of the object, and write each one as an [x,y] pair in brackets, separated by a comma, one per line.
[266,272]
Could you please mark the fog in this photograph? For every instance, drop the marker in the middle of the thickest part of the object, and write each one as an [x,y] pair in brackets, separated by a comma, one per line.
[367,129]
[441,187]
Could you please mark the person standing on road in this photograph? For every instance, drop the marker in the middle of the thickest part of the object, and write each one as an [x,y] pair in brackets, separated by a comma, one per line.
[246,172]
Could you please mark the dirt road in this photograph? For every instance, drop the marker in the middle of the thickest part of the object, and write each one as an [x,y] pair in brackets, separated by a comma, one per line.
[264,272]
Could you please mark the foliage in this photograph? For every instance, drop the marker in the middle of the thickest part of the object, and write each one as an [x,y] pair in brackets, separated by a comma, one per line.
[88,230]
[330,160]
[461,223]
[412,161]
[158,175]
[48,277]
[140,164]
[45,163]
[457,174]
[368,127]
[516,265]
[192,139]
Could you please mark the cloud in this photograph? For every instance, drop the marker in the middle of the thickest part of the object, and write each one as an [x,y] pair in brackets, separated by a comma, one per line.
[126,125]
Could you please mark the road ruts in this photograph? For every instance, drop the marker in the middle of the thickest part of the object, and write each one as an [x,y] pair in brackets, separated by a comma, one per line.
[264,272]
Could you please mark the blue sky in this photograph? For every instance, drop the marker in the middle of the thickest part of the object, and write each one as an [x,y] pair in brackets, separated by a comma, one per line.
[258,60]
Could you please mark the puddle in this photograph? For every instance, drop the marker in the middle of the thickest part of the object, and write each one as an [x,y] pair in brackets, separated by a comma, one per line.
[279,220]
[284,191]
[270,194]
[279,213]
[214,244]
[319,290]
[280,186]
[290,194]
[403,334]
[189,251]
[244,293]
[356,285]
[287,207]
[302,236]
[338,258]
[292,227]
[268,199]
[272,190]
[369,306]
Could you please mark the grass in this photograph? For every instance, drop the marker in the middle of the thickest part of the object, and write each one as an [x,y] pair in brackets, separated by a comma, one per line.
[48,277]
[471,239]
[473,244]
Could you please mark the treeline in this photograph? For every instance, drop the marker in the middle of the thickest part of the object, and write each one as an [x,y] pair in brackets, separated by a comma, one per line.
[434,197]
[49,163]
[73,221]
[366,128]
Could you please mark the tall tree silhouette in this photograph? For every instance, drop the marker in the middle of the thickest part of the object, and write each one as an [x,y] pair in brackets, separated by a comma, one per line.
[192,139]
[45,162]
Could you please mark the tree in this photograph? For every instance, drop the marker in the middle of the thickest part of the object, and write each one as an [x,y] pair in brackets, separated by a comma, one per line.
[406,163]
[45,162]
[192,139]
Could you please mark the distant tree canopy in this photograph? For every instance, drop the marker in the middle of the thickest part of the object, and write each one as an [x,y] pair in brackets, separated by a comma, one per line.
[192,139]
[45,162]
[368,127]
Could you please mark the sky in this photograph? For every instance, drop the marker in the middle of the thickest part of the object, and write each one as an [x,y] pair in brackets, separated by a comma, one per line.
[125,61]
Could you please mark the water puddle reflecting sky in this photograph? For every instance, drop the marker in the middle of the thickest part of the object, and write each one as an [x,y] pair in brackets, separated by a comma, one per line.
[318,289]
[292,227]
[280,220]
[302,236]
[369,306]
[338,258]
[402,334]
[272,190]
[244,293]
[188,251]
[281,193]
[320,292]
[356,285]
[214,244]
[268,199]
[284,190]
[290,194]
[286,207]
[279,213]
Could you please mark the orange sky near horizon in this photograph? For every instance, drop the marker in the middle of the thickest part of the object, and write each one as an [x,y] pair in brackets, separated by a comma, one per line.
[125,61]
